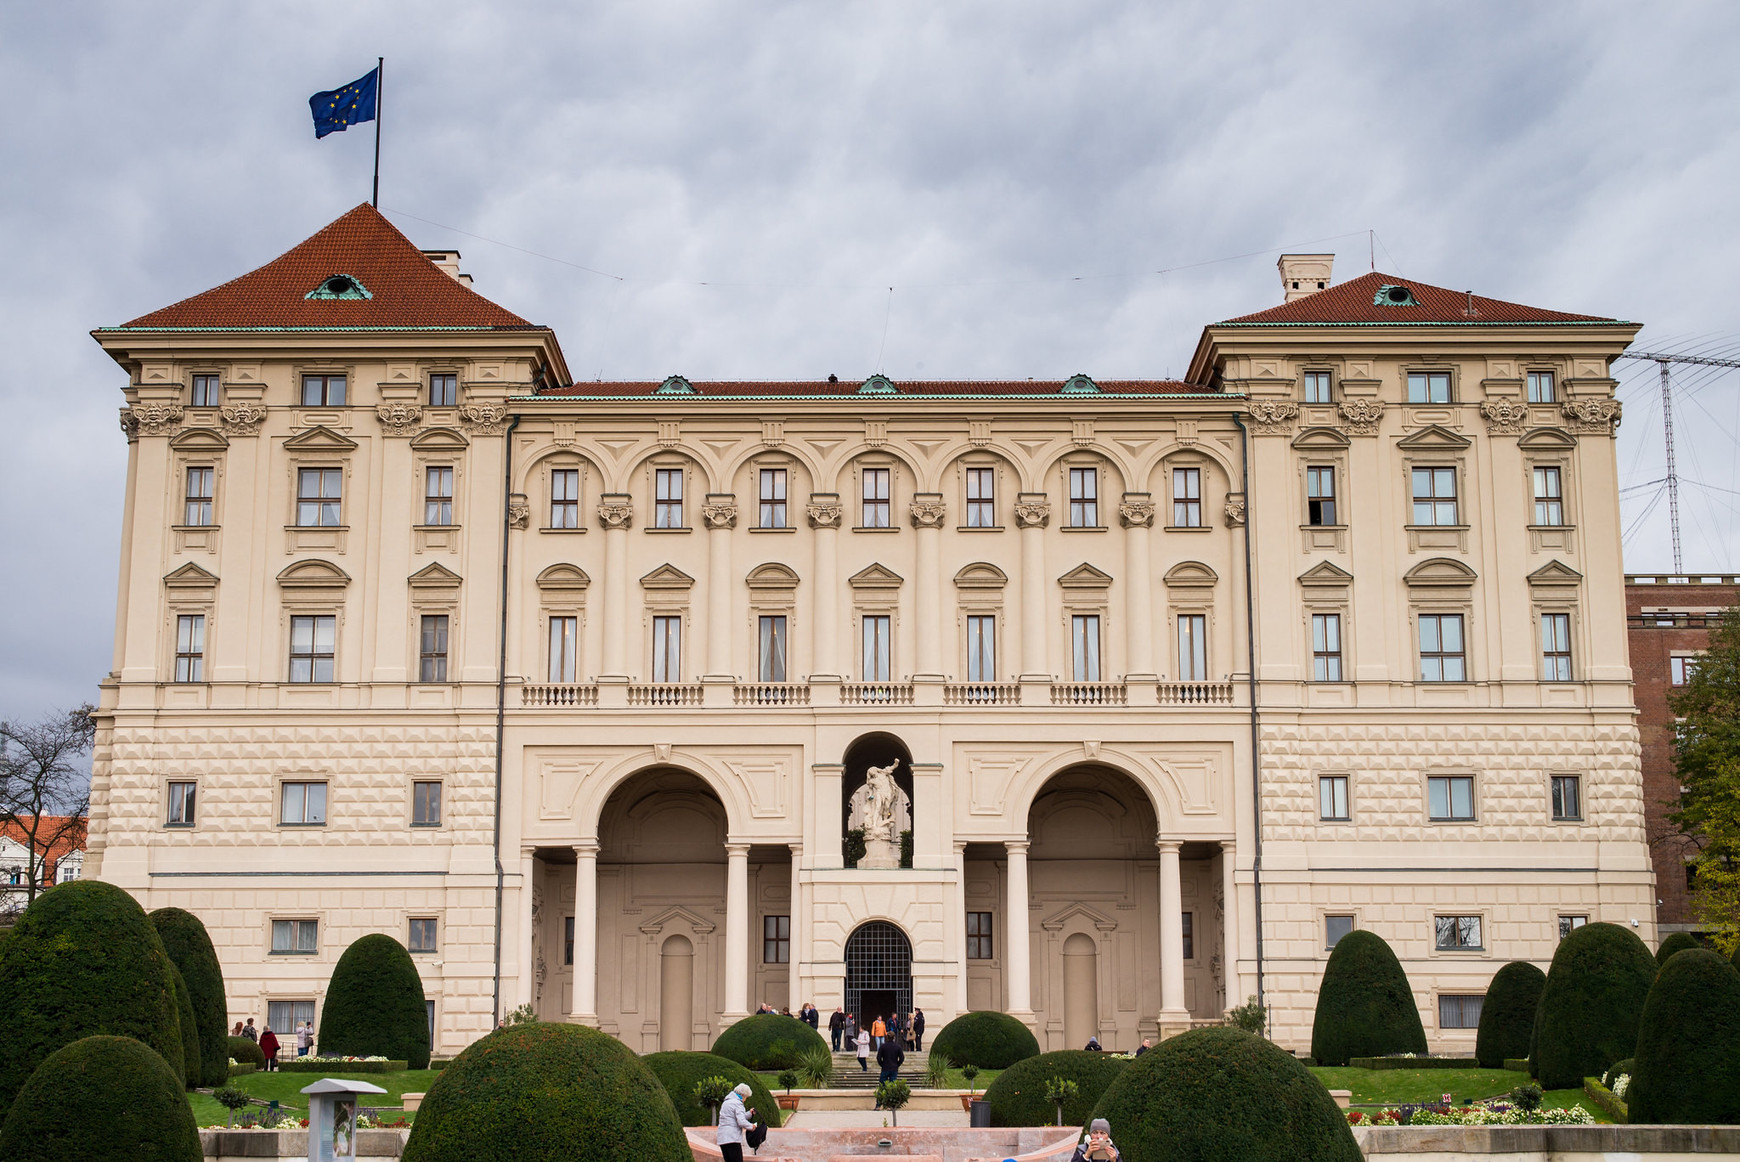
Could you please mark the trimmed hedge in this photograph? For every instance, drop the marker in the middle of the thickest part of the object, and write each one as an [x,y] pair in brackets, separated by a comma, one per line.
[1017,1096]
[315,1065]
[1676,942]
[547,1090]
[83,960]
[1507,1015]
[375,1005]
[189,1032]
[1223,1095]
[1364,1005]
[1596,1090]
[1517,1064]
[1688,1044]
[243,1067]
[102,1099]
[1590,1007]
[768,1041]
[245,1051]
[988,1039]
[678,1071]
[187,943]
[1391,1063]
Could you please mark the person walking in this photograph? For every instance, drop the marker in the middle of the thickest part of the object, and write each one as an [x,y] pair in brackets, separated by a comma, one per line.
[890,1057]
[250,1032]
[863,1051]
[269,1046]
[878,1032]
[733,1121]
[918,1031]
[837,1027]
[304,1038]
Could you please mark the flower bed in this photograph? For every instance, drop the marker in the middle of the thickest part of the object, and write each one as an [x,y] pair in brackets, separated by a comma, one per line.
[1409,1061]
[1479,1114]
[341,1065]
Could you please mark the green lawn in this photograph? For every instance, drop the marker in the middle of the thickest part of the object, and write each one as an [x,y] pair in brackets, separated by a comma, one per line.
[1392,1087]
[286,1089]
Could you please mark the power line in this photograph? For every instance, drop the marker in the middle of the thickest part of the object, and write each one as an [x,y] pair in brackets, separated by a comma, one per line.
[1663,362]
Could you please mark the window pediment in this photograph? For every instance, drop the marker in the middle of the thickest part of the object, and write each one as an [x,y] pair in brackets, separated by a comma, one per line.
[434,576]
[667,577]
[313,574]
[1555,574]
[439,440]
[564,577]
[875,576]
[1440,573]
[1325,575]
[319,439]
[1191,575]
[1100,921]
[1085,576]
[1435,437]
[981,575]
[1546,439]
[1321,438]
[190,577]
[199,440]
[772,575]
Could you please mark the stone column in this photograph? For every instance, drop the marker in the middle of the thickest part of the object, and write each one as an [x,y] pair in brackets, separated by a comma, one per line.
[927,517]
[528,947]
[1137,514]
[615,514]
[584,1008]
[1174,1017]
[736,931]
[825,514]
[1019,967]
[1032,514]
[719,514]
[799,931]
[960,930]
[1229,925]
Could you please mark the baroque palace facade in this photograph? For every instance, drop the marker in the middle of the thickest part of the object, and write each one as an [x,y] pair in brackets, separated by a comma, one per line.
[572,687]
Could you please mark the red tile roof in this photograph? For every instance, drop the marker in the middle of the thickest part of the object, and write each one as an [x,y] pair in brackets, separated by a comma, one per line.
[408,290]
[1353,302]
[73,840]
[844,389]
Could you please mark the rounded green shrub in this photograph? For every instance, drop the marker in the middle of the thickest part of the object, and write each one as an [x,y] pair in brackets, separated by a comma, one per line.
[375,1005]
[547,1090]
[1589,1010]
[189,1032]
[988,1039]
[245,1051]
[1507,1015]
[678,1072]
[82,961]
[1364,1005]
[1676,942]
[1222,1095]
[1017,1097]
[187,943]
[1688,1044]
[768,1041]
[101,1099]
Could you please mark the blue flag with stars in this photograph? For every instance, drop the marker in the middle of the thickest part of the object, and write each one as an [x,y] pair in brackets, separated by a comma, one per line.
[338,110]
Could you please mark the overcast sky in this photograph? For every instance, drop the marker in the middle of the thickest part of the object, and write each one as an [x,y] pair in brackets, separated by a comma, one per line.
[757,176]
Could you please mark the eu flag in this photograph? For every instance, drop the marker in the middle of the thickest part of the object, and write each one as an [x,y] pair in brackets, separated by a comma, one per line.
[338,110]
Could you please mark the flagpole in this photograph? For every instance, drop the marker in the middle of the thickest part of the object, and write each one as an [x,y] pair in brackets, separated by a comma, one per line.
[380,84]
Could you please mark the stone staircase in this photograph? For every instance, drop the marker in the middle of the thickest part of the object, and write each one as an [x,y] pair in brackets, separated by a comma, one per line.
[848,1076]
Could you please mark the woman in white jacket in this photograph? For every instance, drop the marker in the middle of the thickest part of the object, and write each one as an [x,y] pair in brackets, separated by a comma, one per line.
[863,1049]
[733,1121]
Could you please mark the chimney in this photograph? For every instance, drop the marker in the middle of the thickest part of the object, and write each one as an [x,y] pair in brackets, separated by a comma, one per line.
[1304,274]
[448,261]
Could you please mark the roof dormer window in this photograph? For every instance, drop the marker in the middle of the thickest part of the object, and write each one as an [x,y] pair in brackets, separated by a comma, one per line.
[339,286]
[1393,295]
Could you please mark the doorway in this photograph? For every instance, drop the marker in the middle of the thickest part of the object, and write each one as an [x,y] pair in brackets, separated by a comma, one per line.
[878,972]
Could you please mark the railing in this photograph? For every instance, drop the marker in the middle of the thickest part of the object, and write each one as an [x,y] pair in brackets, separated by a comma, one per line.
[1673,620]
[665,694]
[982,694]
[1088,694]
[1681,579]
[876,693]
[1196,693]
[771,694]
[563,695]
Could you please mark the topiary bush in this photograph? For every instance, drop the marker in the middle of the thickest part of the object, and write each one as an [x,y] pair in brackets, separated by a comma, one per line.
[1590,1006]
[83,960]
[768,1042]
[1676,942]
[1017,1097]
[1364,1005]
[547,1090]
[375,1005]
[187,943]
[990,1040]
[245,1052]
[678,1071]
[189,1032]
[1507,1015]
[1223,1095]
[101,1099]
[1688,1044]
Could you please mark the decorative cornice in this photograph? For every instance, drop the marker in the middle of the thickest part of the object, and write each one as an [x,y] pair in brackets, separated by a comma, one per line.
[1273,417]
[825,514]
[1136,514]
[242,419]
[399,418]
[484,419]
[1594,417]
[150,419]
[1032,511]
[1234,509]
[928,512]
[1505,417]
[616,512]
[720,512]
[1361,416]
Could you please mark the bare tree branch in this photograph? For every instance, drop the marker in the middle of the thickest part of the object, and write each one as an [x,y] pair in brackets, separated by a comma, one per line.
[45,787]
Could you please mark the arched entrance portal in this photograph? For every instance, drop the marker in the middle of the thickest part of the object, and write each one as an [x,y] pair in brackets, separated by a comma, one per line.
[878,972]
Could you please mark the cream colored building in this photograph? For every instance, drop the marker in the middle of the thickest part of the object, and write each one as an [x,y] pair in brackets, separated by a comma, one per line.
[570,686]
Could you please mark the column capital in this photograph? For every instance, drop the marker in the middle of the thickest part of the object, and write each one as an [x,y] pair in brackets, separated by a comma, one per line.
[586,849]
[1229,845]
[1016,846]
[1169,846]
[797,849]
[960,847]
[528,851]
[736,848]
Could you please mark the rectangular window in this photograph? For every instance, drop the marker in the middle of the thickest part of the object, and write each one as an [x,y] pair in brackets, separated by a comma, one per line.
[296,936]
[438,495]
[1192,647]
[979,946]
[1084,498]
[1187,498]
[181,804]
[876,513]
[443,389]
[323,391]
[432,652]
[877,649]
[426,804]
[776,940]
[1549,498]
[1317,387]
[1435,496]
[773,498]
[981,648]
[289,1015]
[319,497]
[1332,798]
[1458,933]
[667,649]
[205,391]
[1450,798]
[668,498]
[190,647]
[1541,387]
[1569,924]
[1084,632]
[302,803]
[311,648]
[1555,647]
[1429,387]
[422,935]
[564,632]
[1459,1011]
[1442,657]
[1190,936]
[565,498]
[568,941]
[1680,670]
[1567,797]
[981,498]
[1320,496]
[200,484]
[771,641]
[1326,647]
[1334,928]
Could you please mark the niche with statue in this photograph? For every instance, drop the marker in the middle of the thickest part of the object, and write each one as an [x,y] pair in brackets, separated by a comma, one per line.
[877,788]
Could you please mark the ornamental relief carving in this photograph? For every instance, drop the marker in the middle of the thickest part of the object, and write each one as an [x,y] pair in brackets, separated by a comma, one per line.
[719,514]
[242,419]
[825,514]
[1136,514]
[1595,417]
[927,513]
[1273,417]
[1505,417]
[519,512]
[1031,514]
[1361,416]
[399,418]
[150,419]
[1234,510]
[484,419]
[616,514]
